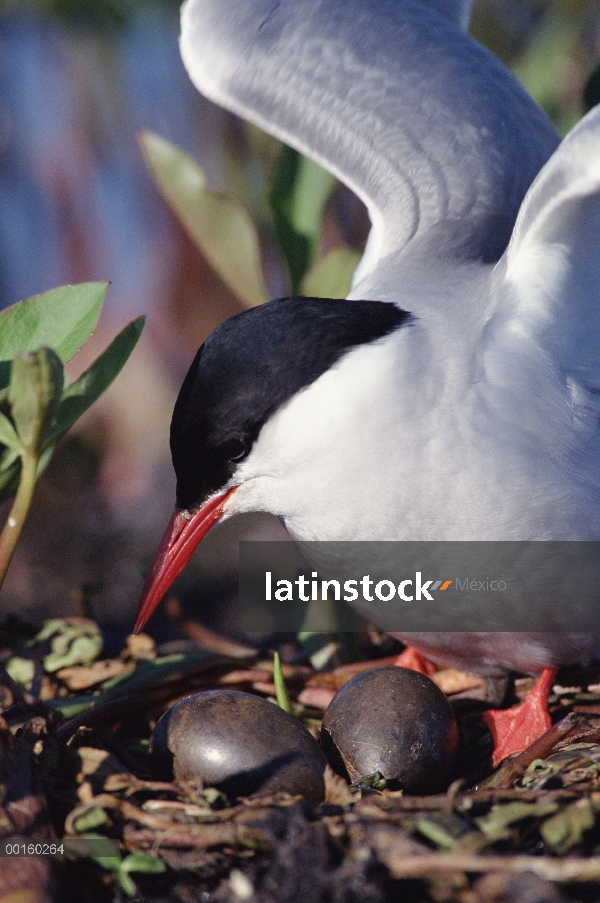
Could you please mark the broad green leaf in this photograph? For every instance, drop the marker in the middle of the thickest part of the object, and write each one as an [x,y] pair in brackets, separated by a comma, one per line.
[331,275]
[283,700]
[36,382]
[9,437]
[298,196]
[81,394]
[220,226]
[62,319]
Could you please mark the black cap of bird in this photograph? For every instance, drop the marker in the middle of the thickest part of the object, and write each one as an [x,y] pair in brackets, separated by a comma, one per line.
[454,394]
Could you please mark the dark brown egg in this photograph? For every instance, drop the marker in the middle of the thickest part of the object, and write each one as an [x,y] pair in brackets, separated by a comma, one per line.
[239,743]
[394,722]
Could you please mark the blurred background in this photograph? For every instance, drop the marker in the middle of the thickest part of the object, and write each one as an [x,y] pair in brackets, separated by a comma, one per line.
[79,79]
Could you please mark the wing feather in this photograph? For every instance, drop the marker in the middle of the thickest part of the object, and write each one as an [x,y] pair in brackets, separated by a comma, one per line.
[553,261]
[425,125]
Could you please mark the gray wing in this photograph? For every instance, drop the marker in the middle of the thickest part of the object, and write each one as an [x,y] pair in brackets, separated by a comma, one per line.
[425,125]
[549,279]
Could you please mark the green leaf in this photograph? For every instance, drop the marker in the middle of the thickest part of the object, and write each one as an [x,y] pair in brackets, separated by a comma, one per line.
[147,675]
[495,823]
[566,829]
[82,651]
[21,670]
[111,863]
[9,437]
[281,693]
[591,91]
[81,394]
[142,862]
[36,382]
[298,196]
[331,275]
[72,643]
[220,226]
[125,881]
[445,829]
[62,319]
[93,818]
[9,474]
[435,832]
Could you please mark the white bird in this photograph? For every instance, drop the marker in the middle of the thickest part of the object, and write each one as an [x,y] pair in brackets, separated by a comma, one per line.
[456,394]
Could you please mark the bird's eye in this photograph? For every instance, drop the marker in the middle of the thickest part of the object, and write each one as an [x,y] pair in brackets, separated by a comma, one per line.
[235,450]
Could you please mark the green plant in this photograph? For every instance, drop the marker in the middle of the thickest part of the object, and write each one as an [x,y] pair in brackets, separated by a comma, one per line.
[228,237]
[226,234]
[37,405]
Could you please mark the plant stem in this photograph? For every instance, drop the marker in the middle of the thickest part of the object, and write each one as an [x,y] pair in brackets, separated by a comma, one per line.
[283,700]
[18,513]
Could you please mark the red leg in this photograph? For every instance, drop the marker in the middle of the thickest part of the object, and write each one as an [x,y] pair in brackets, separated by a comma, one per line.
[414,661]
[515,729]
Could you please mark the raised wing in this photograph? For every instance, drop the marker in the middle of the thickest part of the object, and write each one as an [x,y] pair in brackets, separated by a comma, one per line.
[551,281]
[425,125]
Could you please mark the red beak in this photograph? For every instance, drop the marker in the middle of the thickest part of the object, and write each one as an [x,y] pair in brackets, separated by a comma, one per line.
[177,546]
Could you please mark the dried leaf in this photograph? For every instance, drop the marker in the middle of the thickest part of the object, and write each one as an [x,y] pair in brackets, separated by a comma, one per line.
[337,790]
[80,677]
[140,647]
[451,680]
[99,763]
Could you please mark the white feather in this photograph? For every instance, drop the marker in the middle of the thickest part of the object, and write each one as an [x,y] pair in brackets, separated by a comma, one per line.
[481,419]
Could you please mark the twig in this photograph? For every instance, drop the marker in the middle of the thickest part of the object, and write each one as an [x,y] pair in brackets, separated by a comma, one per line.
[561,870]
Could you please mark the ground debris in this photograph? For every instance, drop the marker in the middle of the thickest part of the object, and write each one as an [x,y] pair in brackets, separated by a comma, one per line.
[73,768]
